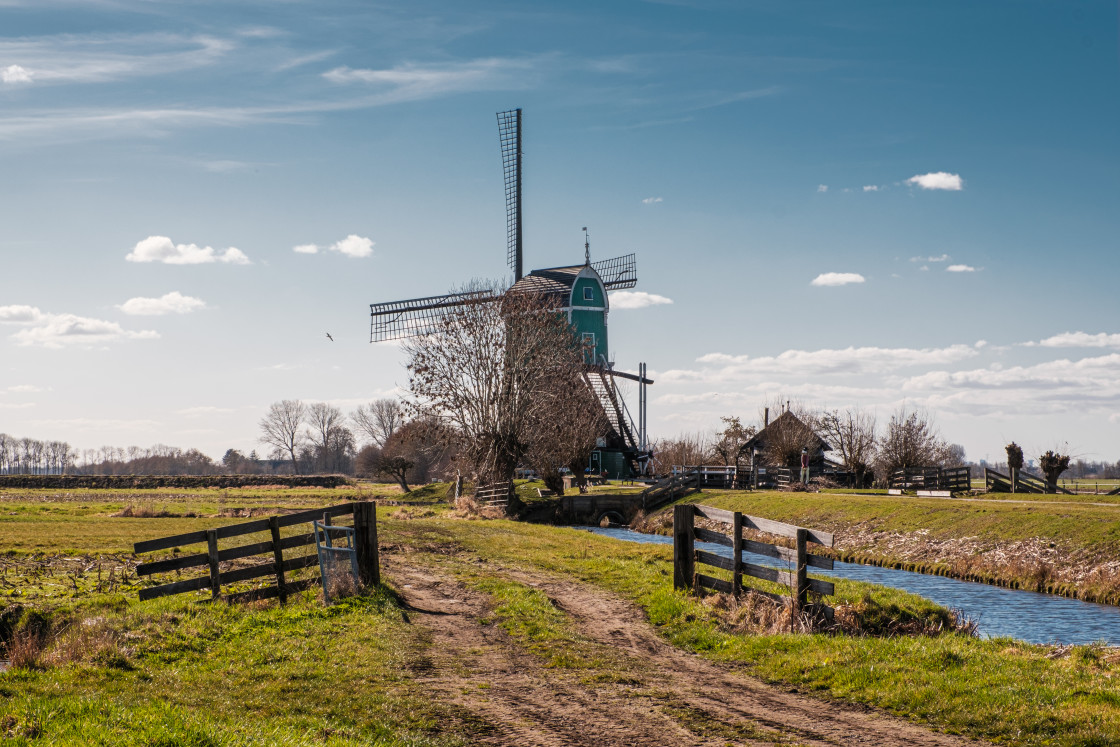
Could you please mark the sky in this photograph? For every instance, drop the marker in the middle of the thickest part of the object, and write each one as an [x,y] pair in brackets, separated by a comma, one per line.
[862,204]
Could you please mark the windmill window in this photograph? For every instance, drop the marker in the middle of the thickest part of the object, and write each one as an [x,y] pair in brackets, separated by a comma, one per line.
[589,339]
[588,294]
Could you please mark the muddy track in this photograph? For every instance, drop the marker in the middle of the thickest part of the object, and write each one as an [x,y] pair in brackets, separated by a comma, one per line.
[648,694]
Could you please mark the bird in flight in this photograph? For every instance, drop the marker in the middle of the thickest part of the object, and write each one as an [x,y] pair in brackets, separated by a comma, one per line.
[329,337]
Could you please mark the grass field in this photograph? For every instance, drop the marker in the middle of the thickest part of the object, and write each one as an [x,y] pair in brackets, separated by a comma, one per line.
[117,671]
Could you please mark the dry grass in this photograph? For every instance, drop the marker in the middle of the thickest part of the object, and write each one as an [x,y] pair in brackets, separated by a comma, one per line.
[146,511]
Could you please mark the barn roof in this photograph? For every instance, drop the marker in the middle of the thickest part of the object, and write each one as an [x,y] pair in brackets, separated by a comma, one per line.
[759,439]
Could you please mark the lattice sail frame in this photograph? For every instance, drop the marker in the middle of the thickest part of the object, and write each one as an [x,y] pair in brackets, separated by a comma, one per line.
[415,317]
[509,136]
[620,272]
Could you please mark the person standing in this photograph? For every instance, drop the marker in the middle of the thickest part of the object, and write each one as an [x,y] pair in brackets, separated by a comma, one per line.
[805,465]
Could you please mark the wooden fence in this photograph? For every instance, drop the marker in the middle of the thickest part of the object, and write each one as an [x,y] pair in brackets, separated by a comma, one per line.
[953,479]
[686,556]
[365,533]
[496,494]
[1025,482]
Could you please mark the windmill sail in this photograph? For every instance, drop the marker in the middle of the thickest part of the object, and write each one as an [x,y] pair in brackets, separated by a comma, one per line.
[396,320]
[620,272]
[509,136]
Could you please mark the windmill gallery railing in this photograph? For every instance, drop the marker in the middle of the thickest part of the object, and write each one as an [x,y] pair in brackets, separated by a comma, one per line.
[797,558]
[364,544]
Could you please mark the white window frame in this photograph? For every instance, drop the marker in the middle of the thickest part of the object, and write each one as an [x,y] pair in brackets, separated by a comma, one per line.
[588,339]
[588,293]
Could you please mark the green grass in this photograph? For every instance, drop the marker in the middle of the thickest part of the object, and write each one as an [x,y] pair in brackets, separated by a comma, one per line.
[185,673]
[1001,690]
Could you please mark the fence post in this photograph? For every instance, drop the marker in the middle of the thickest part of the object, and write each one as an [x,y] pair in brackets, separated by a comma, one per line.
[683,556]
[801,593]
[278,557]
[365,542]
[212,553]
[737,553]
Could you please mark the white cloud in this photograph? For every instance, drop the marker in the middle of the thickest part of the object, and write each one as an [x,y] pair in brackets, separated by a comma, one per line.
[100,58]
[1078,340]
[412,82]
[14,74]
[202,410]
[822,187]
[59,330]
[20,314]
[852,360]
[24,388]
[636,299]
[942,258]
[924,268]
[870,188]
[937,180]
[837,278]
[960,268]
[169,303]
[353,246]
[162,249]
[652,200]
[14,406]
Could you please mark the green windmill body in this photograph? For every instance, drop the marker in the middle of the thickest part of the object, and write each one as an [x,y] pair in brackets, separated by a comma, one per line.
[579,291]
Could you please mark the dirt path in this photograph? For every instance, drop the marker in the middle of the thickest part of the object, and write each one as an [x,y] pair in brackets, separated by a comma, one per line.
[653,694]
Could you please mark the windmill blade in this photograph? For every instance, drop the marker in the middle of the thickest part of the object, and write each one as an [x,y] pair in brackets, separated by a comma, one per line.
[509,136]
[396,320]
[620,272]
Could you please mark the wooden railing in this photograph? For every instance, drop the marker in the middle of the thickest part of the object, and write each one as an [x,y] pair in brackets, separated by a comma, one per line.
[365,538]
[669,489]
[1025,482]
[686,556]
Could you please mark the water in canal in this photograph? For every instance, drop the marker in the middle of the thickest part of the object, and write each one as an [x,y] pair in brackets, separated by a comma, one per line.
[1025,615]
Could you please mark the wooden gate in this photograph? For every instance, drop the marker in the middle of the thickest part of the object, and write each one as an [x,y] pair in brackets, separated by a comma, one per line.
[686,556]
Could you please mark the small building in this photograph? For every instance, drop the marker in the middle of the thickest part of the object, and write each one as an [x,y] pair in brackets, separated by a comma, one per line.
[787,430]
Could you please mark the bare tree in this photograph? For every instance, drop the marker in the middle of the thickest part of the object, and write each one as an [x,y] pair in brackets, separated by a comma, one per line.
[689,449]
[852,434]
[568,422]
[485,371]
[332,443]
[281,428]
[379,419]
[732,440]
[911,440]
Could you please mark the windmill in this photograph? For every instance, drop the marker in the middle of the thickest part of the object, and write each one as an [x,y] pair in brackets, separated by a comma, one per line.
[580,291]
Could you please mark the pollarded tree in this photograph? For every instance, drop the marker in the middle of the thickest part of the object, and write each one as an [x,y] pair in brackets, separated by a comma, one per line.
[1053,465]
[1014,463]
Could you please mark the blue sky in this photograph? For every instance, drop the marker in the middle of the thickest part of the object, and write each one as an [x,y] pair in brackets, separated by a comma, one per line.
[849,204]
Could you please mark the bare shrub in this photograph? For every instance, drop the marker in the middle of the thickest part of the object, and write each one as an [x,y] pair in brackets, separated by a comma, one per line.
[26,648]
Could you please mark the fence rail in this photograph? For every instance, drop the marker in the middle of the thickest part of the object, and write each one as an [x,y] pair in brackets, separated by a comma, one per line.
[365,533]
[1025,482]
[670,489]
[953,479]
[686,556]
[495,494]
